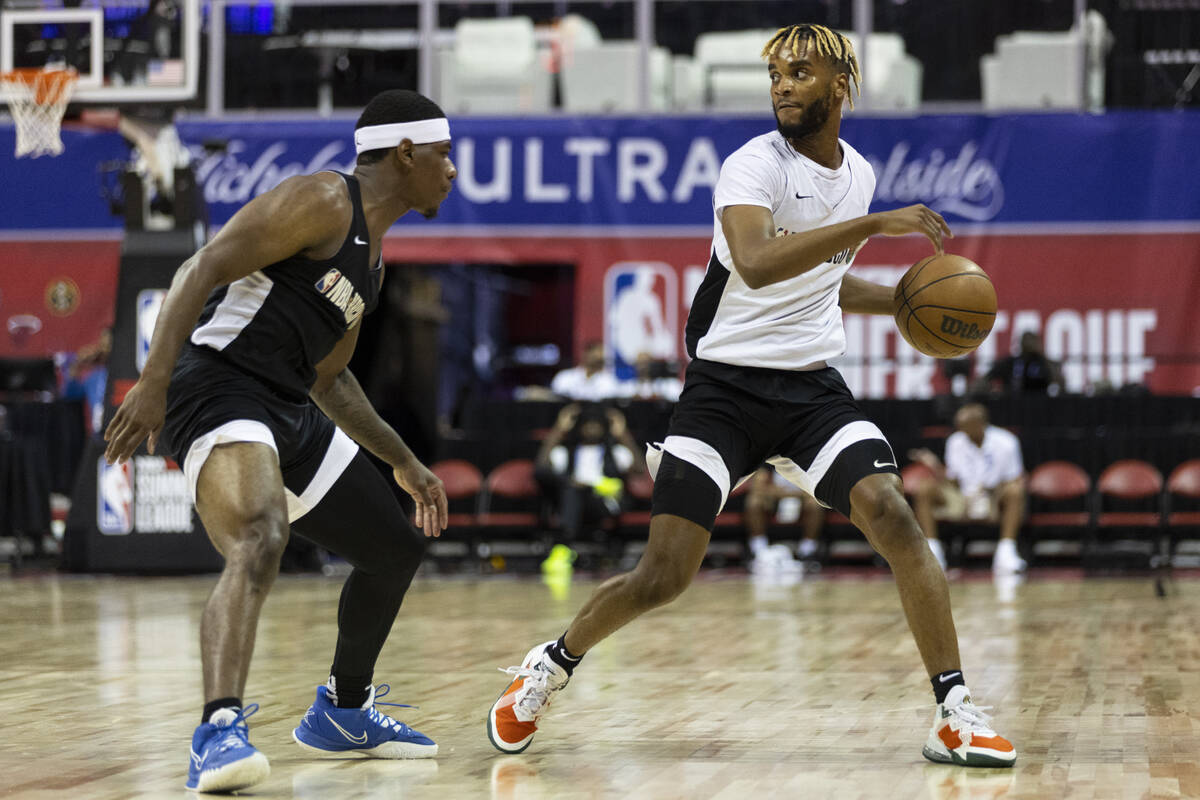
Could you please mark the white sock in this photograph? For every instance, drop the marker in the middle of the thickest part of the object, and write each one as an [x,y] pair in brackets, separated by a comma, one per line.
[1006,546]
[758,545]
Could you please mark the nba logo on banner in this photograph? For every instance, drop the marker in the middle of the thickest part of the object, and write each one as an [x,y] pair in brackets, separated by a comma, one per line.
[641,302]
[114,497]
[149,302]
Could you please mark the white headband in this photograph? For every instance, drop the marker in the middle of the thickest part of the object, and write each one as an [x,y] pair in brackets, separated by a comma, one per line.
[422,131]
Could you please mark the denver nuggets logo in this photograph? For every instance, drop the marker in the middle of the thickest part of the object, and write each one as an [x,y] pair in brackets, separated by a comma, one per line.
[328,280]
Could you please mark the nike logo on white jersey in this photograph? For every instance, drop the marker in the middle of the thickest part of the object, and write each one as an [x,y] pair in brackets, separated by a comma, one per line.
[355,739]
[802,196]
[941,679]
[879,464]
[357,240]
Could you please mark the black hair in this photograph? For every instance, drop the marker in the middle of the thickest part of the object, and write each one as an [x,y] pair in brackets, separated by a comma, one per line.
[394,105]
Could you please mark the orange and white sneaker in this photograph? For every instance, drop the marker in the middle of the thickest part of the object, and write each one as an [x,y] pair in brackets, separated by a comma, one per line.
[513,719]
[960,735]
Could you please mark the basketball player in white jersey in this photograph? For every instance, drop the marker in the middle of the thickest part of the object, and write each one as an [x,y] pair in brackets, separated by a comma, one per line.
[247,386]
[791,212]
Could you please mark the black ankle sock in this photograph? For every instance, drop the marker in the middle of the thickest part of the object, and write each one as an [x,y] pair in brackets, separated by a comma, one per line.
[943,682]
[560,655]
[350,691]
[217,705]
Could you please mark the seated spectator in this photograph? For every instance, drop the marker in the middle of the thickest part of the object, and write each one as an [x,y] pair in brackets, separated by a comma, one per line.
[1028,371]
[86,378]
[769,495]
[983,479]
[583,463]
[652,381]
[588,381]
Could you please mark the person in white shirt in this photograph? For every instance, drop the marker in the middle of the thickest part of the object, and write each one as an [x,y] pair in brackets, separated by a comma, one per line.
[651,381]
[790,211]
[585,460]
[588,381]
[983,479]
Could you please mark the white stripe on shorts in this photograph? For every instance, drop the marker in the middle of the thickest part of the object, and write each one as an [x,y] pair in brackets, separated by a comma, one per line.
[341,452]
[239,430]
[857,431]
[697,453]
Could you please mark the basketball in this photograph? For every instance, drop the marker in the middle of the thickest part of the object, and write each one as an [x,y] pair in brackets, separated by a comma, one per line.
[944,306]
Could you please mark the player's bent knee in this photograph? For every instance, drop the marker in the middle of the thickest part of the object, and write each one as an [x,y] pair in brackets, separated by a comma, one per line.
[259,541]
[885,516]
[403,550]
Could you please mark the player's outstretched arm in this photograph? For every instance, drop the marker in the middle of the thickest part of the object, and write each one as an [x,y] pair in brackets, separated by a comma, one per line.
[762,258]
[338,393]
[302,214]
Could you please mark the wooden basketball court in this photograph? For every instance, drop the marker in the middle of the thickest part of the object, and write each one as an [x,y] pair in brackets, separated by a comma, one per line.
[741,689]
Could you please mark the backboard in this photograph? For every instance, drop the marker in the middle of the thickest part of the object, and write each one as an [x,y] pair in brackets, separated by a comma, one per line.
[125,51]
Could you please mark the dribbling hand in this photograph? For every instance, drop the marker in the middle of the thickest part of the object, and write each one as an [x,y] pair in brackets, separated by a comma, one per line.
[428,493]
[915,219]
[141,415]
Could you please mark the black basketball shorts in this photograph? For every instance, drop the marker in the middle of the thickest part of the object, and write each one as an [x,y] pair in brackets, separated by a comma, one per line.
[211,402]
[729,420]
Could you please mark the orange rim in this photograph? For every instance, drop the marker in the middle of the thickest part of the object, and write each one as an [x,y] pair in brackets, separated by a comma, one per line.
[48,85]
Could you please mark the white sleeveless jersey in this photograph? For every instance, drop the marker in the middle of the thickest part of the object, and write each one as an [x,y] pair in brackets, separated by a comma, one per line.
[796,322]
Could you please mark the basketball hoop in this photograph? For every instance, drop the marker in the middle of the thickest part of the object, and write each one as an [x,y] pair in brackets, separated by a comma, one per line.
[37,100]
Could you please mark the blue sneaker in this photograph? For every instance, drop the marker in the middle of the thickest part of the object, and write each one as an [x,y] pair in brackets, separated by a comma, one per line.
[223,759]
[329,730]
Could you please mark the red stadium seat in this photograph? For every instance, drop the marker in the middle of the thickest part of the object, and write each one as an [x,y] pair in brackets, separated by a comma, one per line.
[1129,515]
[1129,480]
[913,475]
[1059,496]
[514,482]
[1060,482]
[635,521]
[463,482]
[1183,489]
[640,487]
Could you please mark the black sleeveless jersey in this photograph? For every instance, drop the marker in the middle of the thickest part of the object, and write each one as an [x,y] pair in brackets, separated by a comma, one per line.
[279,322]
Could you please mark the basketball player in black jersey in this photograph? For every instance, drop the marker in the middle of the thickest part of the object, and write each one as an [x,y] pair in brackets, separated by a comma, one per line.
[246,385]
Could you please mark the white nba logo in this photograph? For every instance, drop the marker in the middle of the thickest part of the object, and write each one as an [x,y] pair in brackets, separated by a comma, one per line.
[114,497]
[149,303]
[640,303]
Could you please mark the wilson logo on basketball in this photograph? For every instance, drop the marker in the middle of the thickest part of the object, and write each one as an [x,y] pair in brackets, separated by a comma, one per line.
[338,290]
[956,327]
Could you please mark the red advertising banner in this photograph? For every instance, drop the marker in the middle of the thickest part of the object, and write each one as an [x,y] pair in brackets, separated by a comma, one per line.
[1086,294]
[55,295]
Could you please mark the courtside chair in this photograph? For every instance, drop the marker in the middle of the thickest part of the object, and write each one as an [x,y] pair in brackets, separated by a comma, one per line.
[1181,508]
[495,67]
[511,498]
[464,486]
[732,76]
[464,483]
[1129,509]
[1059,504]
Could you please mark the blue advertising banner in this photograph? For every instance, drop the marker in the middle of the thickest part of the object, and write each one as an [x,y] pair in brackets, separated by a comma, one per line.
[601,172]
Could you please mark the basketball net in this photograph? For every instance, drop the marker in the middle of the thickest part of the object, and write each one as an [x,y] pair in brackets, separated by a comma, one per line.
[37,100]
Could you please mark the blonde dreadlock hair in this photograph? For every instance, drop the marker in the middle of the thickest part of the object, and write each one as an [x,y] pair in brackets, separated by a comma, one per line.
[828,43]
